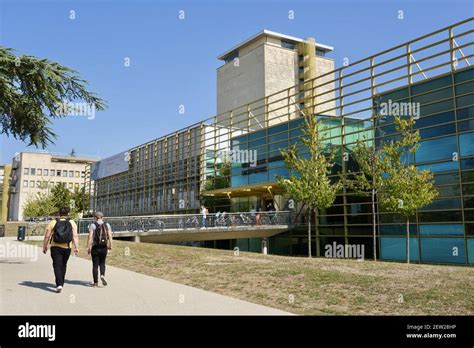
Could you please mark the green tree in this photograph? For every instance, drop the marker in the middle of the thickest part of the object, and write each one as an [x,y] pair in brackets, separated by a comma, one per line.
[81,199]
[405,188]
[39,205]
[311,185]
[61,195]
[31,89]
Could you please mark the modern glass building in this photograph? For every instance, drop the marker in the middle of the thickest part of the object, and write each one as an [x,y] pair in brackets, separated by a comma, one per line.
[433,73]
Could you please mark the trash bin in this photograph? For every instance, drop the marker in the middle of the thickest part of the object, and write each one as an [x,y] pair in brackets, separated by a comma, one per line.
[2,230]
[21,233]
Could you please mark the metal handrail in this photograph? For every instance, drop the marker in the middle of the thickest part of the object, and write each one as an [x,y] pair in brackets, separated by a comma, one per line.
[146,223]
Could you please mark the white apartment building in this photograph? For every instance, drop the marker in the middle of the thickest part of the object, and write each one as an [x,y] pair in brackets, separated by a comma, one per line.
[33,171]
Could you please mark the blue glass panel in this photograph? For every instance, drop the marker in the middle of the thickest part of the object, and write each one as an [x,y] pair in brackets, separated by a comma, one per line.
[396,249]
[467,163]
[277,137]
[437,107]
[277,129]
[448,190]
[440,204]
[441,229]
[470,250]
[466,143]
[445,179]
[296,123]
[256,135]
[296,132]
[436,95]
[395,95]
[397,230]
[440,216]
[274,173]
[433,132]
[437,149]
[467,176]
[450,250]
[465,100]
[440,167]
[466,126]
[464,88]
[278,146]
[430,85]
[258,177]
[465,113]
[239,140]
[432,120]
[256,143]
[275,164]
[239,180]
[464,75]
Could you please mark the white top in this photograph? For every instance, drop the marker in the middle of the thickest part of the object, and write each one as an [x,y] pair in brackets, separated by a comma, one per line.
[100,222]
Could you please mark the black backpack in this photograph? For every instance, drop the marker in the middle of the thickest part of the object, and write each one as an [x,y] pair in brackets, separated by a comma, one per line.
[62,232]
[100,234]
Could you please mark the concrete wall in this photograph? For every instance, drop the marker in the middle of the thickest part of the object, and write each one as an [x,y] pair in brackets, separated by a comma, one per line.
[281,69]
[323,66]
[238,85]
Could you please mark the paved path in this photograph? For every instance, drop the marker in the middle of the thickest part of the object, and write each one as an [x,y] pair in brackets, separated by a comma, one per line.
[27,287]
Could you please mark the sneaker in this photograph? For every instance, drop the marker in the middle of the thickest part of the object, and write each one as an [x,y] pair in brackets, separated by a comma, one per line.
[104,281]
[58,289]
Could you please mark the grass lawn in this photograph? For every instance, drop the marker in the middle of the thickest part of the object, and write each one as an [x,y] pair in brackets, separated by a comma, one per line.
[305,286]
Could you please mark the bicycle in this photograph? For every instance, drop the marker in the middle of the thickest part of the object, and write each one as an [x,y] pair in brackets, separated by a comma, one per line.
[221,220]
[190,222]
[271,218]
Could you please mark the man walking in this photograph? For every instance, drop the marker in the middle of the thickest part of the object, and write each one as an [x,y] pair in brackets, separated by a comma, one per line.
[98,244]
[59,234]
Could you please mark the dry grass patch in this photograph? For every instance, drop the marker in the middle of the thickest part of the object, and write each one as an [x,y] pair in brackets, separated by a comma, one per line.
[306,286]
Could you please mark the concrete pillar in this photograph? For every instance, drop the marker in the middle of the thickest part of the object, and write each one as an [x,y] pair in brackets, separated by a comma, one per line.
[137,239]
[264,246]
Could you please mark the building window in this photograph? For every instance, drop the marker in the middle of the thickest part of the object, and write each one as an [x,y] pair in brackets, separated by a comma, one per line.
[76,185]
[26,171]
[70,185]
[58,173]
[71,174]
[32,184]
[52,172]
[288,44]
[46,172]
[65,173]
[25,183]
[38,184]
[40,172]
[33,171]
[83,174]
[76,173]
[320,53]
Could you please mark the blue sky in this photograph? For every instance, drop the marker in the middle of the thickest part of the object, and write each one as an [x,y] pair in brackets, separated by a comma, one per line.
[173,62]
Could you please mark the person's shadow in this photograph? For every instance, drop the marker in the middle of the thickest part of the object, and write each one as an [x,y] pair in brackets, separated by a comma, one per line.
[77,282]
[39,285]
[52,287]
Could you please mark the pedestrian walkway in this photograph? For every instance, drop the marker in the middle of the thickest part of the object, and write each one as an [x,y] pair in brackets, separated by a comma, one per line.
[27,288]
